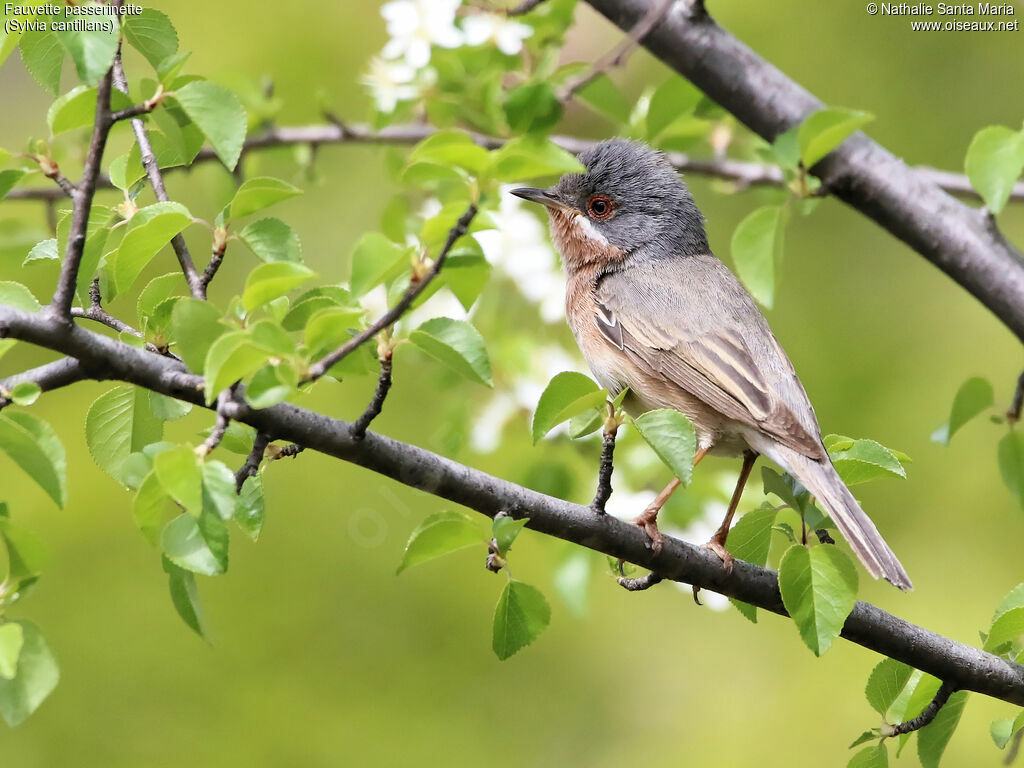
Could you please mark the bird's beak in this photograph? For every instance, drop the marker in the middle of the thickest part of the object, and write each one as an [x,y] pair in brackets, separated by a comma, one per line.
[541,196]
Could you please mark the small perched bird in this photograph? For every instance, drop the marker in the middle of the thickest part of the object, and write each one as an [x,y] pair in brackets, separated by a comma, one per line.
[653,310]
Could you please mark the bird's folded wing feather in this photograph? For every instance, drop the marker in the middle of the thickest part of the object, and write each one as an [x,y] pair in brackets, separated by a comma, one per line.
[716,346]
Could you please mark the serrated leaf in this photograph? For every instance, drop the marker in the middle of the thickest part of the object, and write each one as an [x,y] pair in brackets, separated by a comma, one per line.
[826,129]
[18,296]
[272,240]
[8,180]
[45,250]
[168,408]
[870,757]
[375,259]
[757,251]
[118,424]
[219,115]
[1014,599]
[457,344]
[180,474]
[157,291]
[886,682]
[256,194]
[219,489]
[521,615]
[819,589]
[92,51]
[933,738]
[1011,463]
[750,540]
[77,108]
[451,148]
[268,281]
[36,678]
[185,596]
[196,326]
[532,107]
[43,56]
[672,437]
[529,157]
[183,544]
[26,393]
[147,232]
[33,445]
[438,535]
[466,274]
[994,162]
[231,357]
[505,530]
[250,507]
[974,397]
[12,638]
[1008,628]
[152,34]
[566,395]
[861,460]
[151,502]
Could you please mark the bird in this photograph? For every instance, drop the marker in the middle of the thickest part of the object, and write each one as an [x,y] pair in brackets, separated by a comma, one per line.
[653,310]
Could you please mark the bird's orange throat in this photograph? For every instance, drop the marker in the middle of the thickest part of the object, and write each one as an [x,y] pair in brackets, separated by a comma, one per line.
[579,242]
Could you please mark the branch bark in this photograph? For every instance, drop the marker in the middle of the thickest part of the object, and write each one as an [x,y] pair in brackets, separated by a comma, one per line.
[961,241]
[961,665]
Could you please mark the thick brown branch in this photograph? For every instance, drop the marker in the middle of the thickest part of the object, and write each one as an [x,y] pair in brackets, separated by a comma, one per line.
[961,665]
[156,180]
[958,240]
[927,714]
[59,373]
[389,318]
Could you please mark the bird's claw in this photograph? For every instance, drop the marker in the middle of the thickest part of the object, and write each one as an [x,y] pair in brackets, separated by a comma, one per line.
[723,554]
[648,520]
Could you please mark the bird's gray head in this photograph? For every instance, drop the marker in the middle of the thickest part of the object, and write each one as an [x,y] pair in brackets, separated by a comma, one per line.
[630,198]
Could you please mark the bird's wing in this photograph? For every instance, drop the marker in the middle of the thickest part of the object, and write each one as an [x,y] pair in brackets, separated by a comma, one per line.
[715,344]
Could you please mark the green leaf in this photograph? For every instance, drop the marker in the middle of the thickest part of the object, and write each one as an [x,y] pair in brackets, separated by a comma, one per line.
[219,115]
[673,99]
[118,424]
[819,589]
[1008,628]
[43,56]
[521,615]
[757,251]
[886,682]
[183,544]
[257,194]
[34,446]
[994,162]
[750,540]
[1001,731]
[861,460]
[375,260]
[26,555]
[457,344]
[1011,463]
[826,129]
[530,157]
[864,738]
[566,395]
[451,148]
[180,474]
[77,108]
[438,535]
[92,51]
[8,180]
[268,388]
[18,296]
[1014,599]
[268,281]
[466,274]
[185,596]
[25,393]
[572,580]
[533,107]
[604,97]
[974,397]
[250,507]
[36,677]
[328,328]
[147,232]
[933,738]
[232,357]
[196,326]
[12,638]
[45,250]
[506,530]
[870,757]
[153,35]
[219,489]
[272,240]
[149,506]
[168,69]
[672,437]
[157,291]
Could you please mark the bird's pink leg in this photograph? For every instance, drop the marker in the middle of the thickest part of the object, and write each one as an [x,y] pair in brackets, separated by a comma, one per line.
[717,542]
[648,519]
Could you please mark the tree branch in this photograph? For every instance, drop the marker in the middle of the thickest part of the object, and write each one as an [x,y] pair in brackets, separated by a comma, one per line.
[156,180]
[389,318]
[961,665]
[743,173]
[375,406]
[960,241]
[928,714]
[604,474]
[59,373]
[1013,414]
[252,461]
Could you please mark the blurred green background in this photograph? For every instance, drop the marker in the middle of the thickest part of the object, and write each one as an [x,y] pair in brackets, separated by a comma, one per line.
[322,656]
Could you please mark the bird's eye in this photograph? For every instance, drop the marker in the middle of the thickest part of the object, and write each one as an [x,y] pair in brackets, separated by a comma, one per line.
[600,207]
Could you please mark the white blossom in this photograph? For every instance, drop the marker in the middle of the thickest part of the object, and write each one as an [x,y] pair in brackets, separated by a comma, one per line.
[390,82]
[415,25]
[507,34]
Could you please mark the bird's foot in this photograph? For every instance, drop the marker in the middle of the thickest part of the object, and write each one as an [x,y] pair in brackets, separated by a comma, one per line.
[723,554]
[648,520]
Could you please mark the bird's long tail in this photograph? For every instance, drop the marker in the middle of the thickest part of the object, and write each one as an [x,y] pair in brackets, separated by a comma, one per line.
[822,480]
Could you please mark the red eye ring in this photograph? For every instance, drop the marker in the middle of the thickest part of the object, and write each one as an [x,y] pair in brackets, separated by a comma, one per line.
[600,207]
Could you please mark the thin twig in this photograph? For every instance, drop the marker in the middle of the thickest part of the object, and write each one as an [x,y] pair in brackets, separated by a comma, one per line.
[220,427]
[82,196]
[1018,401]
[360,425]
[389,318]
[284,452]
[604,475]
[59,373]
[220,245]
[618,55]
[252,461]
[929,713]
[156,180]
[639,584]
